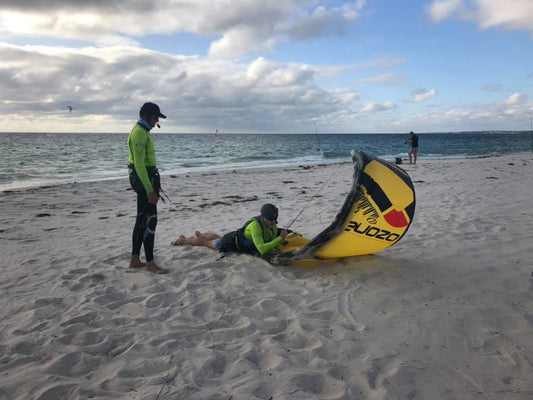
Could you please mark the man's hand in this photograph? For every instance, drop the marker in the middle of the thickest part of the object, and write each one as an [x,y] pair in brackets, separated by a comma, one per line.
[283,233]
[153,198]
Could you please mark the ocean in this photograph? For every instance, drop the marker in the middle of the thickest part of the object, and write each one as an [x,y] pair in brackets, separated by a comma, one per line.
[35,159]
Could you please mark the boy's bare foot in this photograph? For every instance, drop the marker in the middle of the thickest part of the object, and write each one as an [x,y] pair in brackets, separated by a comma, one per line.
[136,262]
[179,241]
[153,268]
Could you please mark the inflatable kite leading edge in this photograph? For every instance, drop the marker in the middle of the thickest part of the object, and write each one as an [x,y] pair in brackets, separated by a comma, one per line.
[376,214]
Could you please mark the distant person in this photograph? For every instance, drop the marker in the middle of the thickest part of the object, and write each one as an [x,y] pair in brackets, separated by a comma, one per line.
[144,179]
[413,142]
[259,236]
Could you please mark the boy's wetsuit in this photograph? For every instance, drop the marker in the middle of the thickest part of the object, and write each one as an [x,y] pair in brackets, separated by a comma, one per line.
[253,237]
[141,156]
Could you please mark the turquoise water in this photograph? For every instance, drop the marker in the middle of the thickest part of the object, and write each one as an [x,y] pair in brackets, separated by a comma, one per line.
[33,159]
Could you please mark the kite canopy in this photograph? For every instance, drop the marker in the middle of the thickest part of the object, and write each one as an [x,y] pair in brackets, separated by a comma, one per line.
[376,214]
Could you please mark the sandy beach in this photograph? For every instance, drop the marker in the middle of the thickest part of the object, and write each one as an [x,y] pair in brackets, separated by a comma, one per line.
[446,313]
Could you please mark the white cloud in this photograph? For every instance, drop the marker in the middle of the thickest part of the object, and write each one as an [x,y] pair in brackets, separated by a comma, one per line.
[510,14]
[516,98]
[376,107]
[106,86]
[323,21]
[237,26]
[291,74]
[240,41]
[513,111]
[381,62]
[388,78]
[420,95]
[110,83]
[439,10]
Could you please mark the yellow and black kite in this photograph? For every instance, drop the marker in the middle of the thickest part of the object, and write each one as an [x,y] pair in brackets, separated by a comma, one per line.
[376,214]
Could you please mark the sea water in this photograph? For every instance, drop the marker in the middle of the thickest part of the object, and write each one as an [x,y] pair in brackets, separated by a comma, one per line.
[34,159]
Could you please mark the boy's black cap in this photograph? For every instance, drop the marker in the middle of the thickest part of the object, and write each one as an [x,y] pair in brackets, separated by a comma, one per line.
[269,211]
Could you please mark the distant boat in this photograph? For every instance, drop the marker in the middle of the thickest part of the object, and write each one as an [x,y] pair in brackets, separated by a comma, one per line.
[217,132]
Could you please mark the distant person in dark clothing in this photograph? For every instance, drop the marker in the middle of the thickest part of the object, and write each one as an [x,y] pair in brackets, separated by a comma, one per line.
[413,142]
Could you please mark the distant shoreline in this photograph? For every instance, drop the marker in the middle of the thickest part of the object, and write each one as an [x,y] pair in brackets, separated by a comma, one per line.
[275,133]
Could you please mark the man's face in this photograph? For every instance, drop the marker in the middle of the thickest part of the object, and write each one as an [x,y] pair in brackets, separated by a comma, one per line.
[153,120]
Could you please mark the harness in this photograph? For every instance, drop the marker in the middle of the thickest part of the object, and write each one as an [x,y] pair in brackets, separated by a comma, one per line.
[154,176]
[244,244]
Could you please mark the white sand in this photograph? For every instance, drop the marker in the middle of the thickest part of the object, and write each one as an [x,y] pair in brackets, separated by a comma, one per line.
[447,313]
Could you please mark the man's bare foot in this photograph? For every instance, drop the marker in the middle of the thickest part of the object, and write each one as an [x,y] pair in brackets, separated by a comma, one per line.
[153,268]
[179,241]
[198,234]
[136,262]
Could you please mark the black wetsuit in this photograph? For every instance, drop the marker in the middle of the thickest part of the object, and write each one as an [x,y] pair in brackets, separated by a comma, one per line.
[414,141]
[145,224]
[142,169]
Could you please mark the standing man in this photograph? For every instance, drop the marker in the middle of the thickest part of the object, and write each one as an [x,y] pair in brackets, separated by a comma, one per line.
[144,179]
[413,142]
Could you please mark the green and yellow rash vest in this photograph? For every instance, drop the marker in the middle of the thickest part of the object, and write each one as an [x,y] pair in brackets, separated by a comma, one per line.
[142,154]
[265,239]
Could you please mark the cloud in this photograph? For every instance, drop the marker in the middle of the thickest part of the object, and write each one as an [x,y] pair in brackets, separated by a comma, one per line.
[237,27]
[381,62]
[255,26]
[383,79]
[516,98]
[270,72]
[108,85]
[513,111]
[492,87]
[509,14]
[420,95]
[323,21]
[439,10]
[377,107]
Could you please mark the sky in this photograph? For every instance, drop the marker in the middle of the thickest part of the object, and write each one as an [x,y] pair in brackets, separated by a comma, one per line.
[267,66]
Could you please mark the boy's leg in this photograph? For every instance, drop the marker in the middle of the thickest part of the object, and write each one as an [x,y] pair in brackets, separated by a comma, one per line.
[193,241]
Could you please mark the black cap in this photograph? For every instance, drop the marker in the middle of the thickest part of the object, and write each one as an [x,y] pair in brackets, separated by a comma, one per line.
[149,109]
[269,211]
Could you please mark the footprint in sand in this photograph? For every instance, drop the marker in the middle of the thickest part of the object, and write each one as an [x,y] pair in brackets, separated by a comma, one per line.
[163,300]
[272,308]
[85,319]
[57,391]
[47,301]
[73,364]
[116,300]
